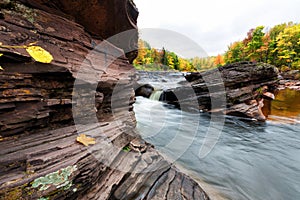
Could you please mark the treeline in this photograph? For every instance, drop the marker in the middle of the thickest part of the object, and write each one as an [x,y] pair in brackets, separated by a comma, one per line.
[154,59]
[279,46]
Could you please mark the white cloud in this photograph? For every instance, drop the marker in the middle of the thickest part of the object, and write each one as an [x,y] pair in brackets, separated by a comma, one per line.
[214,24]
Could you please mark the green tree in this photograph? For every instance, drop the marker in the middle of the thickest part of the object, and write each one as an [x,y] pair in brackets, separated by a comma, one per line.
[288,46]
[255,44]
[272,48]
[235,52]
[164,57]
[196,62]
[280,46]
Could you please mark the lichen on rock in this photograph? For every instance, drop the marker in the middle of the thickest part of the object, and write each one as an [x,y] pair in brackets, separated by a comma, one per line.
[58,179]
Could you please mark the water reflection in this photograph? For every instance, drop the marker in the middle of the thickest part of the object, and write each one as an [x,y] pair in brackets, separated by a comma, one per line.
[286,106]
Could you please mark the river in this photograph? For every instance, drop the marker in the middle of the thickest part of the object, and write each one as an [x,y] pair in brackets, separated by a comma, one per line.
[251,160]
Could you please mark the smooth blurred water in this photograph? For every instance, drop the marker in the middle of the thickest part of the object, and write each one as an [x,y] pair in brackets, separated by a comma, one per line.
[156,95]
[160,79]
[252,160]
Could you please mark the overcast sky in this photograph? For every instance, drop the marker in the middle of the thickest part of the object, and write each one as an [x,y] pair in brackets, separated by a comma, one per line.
[214,24]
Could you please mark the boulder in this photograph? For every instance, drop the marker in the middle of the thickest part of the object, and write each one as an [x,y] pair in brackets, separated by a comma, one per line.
[144,90]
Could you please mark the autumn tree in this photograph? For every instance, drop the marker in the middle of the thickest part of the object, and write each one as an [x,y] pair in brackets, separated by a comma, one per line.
[203,63]
[155,59]
[219,61]
[253,46]
[142,52]
[288,46]
[234,53]
[279,46]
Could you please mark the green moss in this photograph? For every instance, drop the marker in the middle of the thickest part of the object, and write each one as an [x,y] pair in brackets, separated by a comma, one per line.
[259,90]
[126,148]
[28,13]
[59,179]
[25,11]
[43,198]
[13,194]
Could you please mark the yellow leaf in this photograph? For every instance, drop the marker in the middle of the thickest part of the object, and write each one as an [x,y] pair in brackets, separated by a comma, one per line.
[86,141]
[1,54]
[39,54]
[1,68]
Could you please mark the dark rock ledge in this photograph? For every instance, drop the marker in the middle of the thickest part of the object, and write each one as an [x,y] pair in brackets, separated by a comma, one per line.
[290,79]
[39,155]
[239,89]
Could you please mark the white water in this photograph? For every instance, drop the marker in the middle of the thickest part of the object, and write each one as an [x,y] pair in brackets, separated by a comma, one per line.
[156,95]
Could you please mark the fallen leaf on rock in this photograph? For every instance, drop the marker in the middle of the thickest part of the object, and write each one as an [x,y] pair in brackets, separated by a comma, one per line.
[86,141]
[39,54]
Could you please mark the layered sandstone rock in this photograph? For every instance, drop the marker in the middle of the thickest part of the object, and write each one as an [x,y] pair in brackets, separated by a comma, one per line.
[234,89]
[44,107]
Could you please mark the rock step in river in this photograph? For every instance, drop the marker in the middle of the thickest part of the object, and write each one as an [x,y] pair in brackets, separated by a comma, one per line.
[235,89]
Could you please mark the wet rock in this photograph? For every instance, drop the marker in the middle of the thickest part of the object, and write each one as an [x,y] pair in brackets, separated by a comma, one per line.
[138,145]
[240,83]
[291,75]
[144,90]
[291,84]
[250,110]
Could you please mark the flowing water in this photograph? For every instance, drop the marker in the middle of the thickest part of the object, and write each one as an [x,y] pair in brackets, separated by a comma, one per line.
[251,160]
[156,95]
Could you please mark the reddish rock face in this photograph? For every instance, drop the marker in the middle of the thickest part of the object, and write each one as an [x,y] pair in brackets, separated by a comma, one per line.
[39,155]
[101,18]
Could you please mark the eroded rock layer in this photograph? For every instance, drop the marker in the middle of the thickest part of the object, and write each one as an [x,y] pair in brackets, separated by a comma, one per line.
[234,89]
[44,108]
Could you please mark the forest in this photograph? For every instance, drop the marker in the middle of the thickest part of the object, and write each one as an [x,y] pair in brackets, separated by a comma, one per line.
[152,59]
[279,46]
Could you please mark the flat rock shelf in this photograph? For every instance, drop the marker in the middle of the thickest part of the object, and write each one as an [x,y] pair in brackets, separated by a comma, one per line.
[101,171]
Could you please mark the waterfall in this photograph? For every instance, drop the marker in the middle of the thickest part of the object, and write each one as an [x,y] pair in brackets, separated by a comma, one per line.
[156,95]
